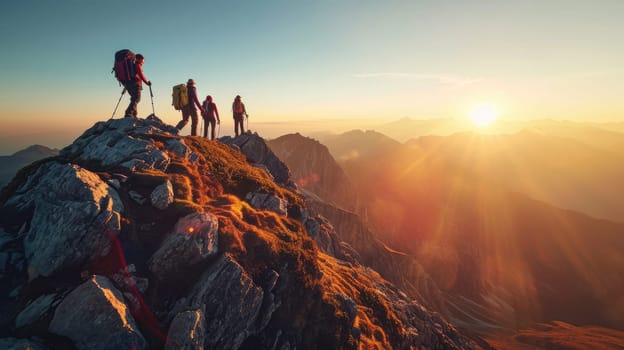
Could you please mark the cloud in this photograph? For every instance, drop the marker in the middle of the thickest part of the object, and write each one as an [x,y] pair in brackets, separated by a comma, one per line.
[445,79]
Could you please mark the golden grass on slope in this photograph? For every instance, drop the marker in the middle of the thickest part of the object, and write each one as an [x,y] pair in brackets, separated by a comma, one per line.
[230,169]
[379,325]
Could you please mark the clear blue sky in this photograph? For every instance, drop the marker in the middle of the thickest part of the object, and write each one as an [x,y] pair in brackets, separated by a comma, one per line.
[305,60]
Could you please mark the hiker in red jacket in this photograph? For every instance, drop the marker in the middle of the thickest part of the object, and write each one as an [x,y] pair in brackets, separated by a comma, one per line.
[209,117]
[239,112]
[135,86]
[189,110]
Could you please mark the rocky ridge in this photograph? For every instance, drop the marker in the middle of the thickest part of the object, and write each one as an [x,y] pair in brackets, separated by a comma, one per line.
[179,242]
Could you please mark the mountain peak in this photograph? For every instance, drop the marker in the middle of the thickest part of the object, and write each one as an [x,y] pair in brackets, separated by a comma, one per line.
[205,243]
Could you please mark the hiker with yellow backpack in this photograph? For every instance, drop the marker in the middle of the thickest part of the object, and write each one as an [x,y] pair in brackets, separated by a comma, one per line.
[239,112]
[185,99]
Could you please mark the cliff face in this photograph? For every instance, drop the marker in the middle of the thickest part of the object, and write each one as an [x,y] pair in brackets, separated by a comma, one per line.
[135,237]
[315,170]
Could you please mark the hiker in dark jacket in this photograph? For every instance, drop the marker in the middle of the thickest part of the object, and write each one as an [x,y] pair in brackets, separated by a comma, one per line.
[211,112]
[135,86]
[239,112]
[189,110]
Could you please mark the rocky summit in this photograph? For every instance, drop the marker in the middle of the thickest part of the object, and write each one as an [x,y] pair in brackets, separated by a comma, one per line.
[134,237]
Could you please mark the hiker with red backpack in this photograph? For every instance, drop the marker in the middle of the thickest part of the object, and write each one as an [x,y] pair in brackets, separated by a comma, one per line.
[189,109]
[129,72]
[239,112]
[211,112]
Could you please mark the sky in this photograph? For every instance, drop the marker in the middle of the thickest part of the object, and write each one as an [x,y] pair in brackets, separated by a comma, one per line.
[309,62]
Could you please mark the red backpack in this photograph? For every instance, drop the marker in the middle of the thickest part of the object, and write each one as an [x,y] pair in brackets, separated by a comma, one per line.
[124,65]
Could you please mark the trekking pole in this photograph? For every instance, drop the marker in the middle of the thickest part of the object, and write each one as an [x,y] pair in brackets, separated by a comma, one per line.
[152,96]
[122,92]
[247,119]
[219,129]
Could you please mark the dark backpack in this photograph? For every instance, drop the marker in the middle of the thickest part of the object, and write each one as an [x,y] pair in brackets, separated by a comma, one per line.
[124,65]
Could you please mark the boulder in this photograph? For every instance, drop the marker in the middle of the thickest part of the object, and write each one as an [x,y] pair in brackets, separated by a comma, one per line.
[258,153]
[267,201]
[36,310]
[187,331]
[231,302]
[110,144]
[194,239]
[162,196]
[74,214]
[94,316]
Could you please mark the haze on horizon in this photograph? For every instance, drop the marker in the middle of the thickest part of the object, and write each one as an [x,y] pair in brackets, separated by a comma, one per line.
[300,63]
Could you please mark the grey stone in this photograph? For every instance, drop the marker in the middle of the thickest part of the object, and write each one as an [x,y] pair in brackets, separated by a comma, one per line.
[35,310]
[94,316]
[267,201]
[110,144]
[137,197]
[231,302]
[195,238]
[178,147]
[115,183]
[162,196]
[75,214]
[256,150]
[187,331]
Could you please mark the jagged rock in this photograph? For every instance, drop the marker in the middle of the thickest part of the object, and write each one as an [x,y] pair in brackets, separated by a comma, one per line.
[232,303]
[194,239]
[36,310]
[111,145]
[178,147]
[137,197]
[162,196]
[256,150]
[126,281]
[21,344]
[187,331]
[267,201]
[94,316]
[270,304]
[74,214]
[115,183]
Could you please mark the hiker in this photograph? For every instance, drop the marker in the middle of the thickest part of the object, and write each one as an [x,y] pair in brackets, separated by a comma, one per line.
[189,110]
[239,112]
[209,115]
[134,87]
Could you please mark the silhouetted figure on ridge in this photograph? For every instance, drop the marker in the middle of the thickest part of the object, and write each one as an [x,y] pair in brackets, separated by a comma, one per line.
[211,116]
[129,72]
[239,112]
[189,110]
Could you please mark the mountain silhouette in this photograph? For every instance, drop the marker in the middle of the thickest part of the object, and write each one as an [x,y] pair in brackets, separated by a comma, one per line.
[136,237]
[11,164]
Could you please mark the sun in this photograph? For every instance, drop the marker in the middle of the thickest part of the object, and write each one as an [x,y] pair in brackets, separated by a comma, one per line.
[483,115]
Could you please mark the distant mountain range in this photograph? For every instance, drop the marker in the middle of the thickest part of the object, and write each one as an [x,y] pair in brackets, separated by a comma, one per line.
[11,164]
[461,206]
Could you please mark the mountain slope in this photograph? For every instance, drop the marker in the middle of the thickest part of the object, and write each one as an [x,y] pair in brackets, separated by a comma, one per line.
[315,170]
[179,242]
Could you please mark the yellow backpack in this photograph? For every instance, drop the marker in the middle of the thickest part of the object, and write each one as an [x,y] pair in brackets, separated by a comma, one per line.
[180,96]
